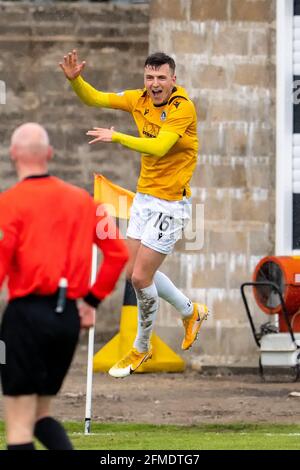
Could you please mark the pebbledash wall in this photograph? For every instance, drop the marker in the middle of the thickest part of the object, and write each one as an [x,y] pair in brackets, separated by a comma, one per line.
[225,54]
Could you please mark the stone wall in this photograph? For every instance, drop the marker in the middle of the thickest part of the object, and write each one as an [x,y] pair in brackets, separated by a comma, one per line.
[225,54]
[112,38]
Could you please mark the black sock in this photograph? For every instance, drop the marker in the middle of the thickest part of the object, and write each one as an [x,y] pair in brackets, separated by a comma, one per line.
[51,434]
[27,446]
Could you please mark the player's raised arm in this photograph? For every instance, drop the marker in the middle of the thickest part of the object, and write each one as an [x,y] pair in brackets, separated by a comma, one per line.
[72,69]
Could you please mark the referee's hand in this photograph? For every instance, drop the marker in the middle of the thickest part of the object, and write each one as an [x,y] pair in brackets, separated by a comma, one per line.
[87,316]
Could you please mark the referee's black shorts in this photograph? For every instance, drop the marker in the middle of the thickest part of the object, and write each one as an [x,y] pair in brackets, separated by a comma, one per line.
[39,344]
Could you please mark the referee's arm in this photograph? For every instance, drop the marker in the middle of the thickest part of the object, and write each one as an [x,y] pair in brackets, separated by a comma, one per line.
[8,241]
[115,256]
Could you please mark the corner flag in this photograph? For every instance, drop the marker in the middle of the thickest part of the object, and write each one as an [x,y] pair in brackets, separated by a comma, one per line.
[117,200]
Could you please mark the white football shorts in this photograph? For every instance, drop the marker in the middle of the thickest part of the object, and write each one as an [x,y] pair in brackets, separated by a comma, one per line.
[158,223]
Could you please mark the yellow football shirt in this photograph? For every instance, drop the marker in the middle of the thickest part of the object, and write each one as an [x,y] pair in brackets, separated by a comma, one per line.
[166,177]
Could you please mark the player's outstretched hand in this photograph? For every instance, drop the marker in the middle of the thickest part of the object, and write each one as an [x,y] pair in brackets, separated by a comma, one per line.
[70,66]
[101,134]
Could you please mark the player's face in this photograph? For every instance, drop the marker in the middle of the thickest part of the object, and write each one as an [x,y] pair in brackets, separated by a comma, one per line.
[159,83]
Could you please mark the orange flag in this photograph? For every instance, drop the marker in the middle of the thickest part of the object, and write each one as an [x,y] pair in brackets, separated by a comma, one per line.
[117,200]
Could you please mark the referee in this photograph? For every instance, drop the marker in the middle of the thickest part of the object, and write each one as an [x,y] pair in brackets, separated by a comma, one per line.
[47,229]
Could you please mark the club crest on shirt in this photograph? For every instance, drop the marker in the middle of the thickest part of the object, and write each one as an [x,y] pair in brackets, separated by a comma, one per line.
[1,235]
[163,116]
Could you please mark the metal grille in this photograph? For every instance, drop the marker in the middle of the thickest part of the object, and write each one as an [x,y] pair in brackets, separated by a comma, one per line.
[270,272]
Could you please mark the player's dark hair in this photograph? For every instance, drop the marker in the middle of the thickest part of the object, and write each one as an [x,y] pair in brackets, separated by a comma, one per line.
[158,59]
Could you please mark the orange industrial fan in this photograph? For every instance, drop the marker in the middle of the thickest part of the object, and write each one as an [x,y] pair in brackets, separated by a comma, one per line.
[284,271]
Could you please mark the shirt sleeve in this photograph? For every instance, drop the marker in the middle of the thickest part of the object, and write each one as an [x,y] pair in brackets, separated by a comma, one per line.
[115,254]
[180,117]
[90,96]
[157,146]
[8,240]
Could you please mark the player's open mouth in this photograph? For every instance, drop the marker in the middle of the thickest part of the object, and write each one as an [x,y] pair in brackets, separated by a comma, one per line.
[157,93]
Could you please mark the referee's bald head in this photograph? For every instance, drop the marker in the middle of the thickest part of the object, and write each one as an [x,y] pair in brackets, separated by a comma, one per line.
[30,145]
[30,135]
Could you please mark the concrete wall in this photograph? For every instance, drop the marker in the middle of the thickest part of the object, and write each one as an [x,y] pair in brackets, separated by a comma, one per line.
[225,54]
[225,51]
[112,38]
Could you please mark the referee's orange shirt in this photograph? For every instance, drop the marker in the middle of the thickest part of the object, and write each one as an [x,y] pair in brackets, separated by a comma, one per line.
[47,229]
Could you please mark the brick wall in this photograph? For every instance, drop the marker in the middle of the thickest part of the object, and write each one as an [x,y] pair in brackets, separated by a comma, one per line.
[225,54]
